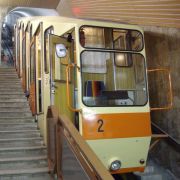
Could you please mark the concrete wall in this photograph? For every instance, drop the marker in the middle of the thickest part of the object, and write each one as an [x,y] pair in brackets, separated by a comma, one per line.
[163,50]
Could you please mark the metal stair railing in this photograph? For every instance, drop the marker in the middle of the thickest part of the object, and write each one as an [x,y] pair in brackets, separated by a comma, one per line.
[59,126]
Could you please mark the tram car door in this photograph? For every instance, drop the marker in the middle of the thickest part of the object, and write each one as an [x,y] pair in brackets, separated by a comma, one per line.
[35,98]
[61,54]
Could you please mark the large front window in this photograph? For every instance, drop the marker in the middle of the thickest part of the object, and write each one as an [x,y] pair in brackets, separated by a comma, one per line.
[112,78]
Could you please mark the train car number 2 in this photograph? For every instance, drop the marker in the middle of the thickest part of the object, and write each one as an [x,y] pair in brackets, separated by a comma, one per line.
[100,127]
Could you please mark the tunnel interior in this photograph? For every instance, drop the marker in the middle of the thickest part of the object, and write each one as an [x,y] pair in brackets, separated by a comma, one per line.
[162,50]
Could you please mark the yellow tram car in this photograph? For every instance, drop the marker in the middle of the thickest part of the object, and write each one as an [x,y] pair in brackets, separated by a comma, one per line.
[95,73]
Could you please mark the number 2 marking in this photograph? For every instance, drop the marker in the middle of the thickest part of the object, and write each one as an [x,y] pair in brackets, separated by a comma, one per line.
[100,122]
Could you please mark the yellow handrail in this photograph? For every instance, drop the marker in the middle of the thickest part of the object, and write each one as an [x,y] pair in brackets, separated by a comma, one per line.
[69,66]
[169,106]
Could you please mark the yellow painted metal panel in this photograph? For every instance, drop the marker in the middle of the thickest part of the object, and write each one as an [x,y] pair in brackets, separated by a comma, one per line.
[128,150]
[61,100]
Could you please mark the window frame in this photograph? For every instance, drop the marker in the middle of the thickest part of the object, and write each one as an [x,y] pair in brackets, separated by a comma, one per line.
[116,51]
[46,63]
[103,27]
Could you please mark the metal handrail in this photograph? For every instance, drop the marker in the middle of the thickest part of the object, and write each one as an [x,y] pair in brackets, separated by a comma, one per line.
[59,126]
[169,106]
[68,67]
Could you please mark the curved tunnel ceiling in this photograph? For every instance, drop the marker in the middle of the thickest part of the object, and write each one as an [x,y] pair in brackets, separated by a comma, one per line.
[25,11]
[18,12]
[143,12]
[52,4]
[29,8]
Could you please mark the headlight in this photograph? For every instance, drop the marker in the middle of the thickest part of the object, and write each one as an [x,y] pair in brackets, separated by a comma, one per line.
[115,165]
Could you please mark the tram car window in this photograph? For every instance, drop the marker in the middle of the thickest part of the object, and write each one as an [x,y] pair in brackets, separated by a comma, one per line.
[46,47]
[106,82]
[109,38]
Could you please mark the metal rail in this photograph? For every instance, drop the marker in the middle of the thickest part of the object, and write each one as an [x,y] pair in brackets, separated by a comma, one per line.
[60,126]
[169,139]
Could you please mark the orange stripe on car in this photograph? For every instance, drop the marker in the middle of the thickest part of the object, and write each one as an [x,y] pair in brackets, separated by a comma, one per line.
[127,170]
[121,125]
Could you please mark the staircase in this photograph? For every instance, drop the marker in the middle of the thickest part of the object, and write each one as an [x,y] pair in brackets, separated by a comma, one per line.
[22,152]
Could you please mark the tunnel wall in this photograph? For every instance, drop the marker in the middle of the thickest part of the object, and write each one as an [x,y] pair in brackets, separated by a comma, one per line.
[163,50]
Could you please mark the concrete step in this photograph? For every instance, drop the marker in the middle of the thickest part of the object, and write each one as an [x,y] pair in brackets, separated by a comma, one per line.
[10,89]
[14,109]
[12,76]
[24,164]
[30,151]
[4,77]
[20,139]
[12,92]
[14,104]
[24,171]
[12,96]
[15,159]
[16,134]
[16,120]
[8,74]
[23,143]
[15,114]
[34,176]
[7,82]
[12,100]
[17,125]
[10,85]
[18,131]
[21,148]
[7,69]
